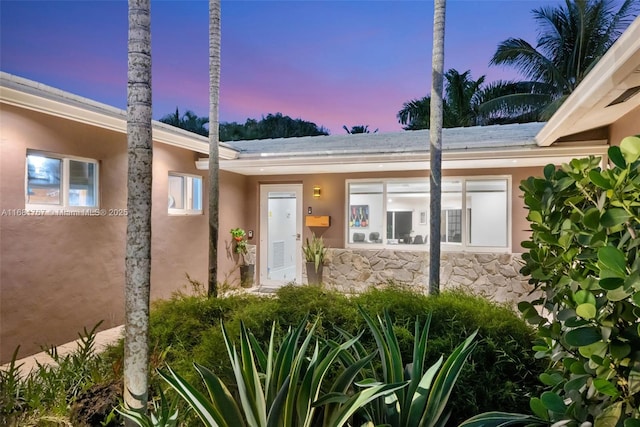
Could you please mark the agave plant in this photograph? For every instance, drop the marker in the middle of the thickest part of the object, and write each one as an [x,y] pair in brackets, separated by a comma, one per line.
[279,387]
[163,414]
[423,401]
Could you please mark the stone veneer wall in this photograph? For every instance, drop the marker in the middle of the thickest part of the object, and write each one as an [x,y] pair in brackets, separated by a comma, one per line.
[493,275]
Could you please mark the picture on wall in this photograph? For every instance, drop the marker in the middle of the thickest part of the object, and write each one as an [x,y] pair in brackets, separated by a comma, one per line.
[359,216]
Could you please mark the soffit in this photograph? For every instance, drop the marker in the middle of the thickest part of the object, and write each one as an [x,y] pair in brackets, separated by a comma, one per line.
[34,96]
[381,163]
[588,106]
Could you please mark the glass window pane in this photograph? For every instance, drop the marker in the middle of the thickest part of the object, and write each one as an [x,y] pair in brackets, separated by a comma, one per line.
[176,192]
[82,183]
[487,212]
[196,194]
[43,180]
[451,212]
[407,212]
[365,214]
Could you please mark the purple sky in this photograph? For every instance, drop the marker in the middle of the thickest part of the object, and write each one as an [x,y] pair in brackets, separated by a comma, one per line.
[330,62]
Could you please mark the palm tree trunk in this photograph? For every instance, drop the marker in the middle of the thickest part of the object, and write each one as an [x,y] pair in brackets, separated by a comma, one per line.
[214,166]
[138,250]
[435,149]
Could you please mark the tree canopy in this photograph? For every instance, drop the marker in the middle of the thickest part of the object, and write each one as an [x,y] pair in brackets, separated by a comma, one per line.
[272,126]
[188,121]
[467,102]
[572,37]
[358,129]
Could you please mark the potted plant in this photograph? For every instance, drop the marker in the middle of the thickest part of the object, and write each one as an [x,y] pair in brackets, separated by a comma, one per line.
[247,270]
[314,253]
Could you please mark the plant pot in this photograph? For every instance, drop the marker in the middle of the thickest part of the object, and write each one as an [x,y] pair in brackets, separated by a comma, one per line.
[246,275]
[314,277]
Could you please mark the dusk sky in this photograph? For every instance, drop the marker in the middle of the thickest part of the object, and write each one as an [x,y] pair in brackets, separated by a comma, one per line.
[333,63]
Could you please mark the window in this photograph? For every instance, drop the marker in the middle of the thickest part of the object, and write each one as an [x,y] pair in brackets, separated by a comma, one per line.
[365,215]
[474,214]
[185,194]
[55,181]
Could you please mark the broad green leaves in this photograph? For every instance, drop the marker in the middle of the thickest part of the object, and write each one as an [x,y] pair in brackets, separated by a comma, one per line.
[284,385]
[584,254]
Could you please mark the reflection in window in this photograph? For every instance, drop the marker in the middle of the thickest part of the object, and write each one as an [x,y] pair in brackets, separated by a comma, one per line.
[54,180]
[43,180]
[185,194]
[82,183]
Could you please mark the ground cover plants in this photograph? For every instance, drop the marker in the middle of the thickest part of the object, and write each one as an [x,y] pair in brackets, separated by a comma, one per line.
[45,395]
[188,329]
[503,356]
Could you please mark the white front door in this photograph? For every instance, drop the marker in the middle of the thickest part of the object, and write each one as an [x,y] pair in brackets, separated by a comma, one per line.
[280,234]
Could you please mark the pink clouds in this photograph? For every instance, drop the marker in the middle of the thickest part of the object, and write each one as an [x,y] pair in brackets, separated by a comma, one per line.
[333,63]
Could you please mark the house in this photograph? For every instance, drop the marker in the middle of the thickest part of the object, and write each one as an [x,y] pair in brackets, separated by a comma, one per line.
[63,201]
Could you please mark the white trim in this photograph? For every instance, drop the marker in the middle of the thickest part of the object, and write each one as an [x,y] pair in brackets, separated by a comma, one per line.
[586,107]
[64,178]
[187,190]
[34,96]
[464,246]
[263,240]
[386,162]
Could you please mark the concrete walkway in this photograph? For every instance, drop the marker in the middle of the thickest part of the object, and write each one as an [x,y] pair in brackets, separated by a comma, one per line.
[102,340]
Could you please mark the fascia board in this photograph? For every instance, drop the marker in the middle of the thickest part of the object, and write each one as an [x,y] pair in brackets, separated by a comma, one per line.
[109,118]
[598,148]
[600,81]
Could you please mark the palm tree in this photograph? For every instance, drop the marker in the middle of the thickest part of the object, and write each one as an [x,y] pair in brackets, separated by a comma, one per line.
[461,103]
[188,121]
[461,107]
[358,129]
[435,149]
[415,114]
[138,247]
[214,163]
[571,40]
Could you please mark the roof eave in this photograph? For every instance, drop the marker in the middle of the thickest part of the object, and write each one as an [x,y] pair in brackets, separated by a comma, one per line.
[30,95]
[600,86]
[472,158]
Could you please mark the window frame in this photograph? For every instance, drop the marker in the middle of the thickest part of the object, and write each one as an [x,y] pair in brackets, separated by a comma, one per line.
[464,245]
[65,182]
[187,189]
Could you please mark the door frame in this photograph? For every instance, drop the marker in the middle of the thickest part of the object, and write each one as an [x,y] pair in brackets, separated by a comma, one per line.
[263,240]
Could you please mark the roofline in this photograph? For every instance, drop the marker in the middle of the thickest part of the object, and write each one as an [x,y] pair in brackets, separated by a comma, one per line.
[597,147]
[24,93]
[598,81]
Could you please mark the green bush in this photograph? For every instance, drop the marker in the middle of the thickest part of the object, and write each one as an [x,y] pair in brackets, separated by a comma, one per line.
[503,357]
[583,254]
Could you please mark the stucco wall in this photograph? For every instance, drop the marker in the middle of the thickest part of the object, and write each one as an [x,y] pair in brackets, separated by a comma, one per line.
[628,125]
[234,212]
[333,199]
[61,274]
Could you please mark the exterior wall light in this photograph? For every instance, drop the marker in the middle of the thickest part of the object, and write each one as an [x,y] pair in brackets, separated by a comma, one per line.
[316,191]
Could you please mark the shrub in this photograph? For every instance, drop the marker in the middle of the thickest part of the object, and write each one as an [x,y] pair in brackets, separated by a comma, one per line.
[584,255]
[503,357]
